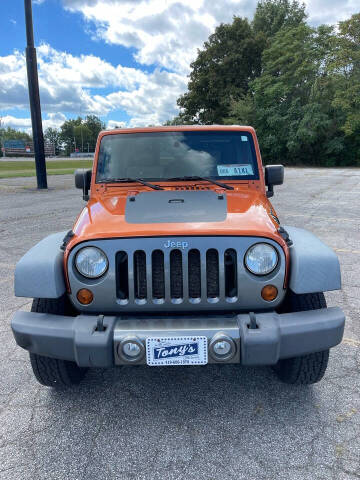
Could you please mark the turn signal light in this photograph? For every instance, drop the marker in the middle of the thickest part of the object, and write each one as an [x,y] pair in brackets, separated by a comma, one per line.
[269,293]
[85,296]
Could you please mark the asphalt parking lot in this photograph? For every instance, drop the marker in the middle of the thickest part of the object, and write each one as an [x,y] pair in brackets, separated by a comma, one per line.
[214,422]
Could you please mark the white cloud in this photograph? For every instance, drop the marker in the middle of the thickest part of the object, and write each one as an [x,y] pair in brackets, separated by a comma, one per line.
[115,124]
[86,71]
[168,33]
[66,81]
[18,123]
[330,11]
[54,120]
[153,101]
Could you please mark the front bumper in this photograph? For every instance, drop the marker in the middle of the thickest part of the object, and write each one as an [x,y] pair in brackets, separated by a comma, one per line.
[275,337]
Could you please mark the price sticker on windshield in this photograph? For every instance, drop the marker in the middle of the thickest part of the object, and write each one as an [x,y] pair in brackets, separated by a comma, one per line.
[236,170]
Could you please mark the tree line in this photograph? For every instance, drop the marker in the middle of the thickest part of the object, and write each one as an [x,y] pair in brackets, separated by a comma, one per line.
[9,133]
[75,134]
[299,86]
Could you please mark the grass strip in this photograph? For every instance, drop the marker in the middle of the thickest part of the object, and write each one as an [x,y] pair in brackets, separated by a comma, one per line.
[27,169]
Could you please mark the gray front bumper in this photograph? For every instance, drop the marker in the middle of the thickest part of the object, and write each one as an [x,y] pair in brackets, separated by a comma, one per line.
[276,336]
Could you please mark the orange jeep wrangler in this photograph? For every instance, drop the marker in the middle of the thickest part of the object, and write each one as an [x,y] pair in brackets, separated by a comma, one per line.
[178,258]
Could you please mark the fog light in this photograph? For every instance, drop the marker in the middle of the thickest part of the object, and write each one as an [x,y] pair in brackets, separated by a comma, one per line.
[131,349]
[85,296]
[269,293]
[222,348]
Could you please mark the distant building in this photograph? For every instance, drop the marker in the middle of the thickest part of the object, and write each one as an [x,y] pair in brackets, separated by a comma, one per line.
[21,148]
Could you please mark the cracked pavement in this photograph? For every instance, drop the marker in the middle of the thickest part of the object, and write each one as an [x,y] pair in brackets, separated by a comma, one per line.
[210,422]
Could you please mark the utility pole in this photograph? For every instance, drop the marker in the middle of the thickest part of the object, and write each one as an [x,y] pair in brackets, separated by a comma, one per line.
[34,97]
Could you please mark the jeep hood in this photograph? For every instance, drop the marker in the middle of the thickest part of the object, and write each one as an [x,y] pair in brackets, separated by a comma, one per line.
[174,213]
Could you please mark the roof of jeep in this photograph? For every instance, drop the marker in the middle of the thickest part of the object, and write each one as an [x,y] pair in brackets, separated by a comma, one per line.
[177,128]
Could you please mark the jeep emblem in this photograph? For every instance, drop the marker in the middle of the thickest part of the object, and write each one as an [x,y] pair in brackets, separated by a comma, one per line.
[170,244]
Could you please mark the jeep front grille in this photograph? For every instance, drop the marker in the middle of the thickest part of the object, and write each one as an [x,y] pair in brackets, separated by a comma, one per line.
[160,276]
[176,274]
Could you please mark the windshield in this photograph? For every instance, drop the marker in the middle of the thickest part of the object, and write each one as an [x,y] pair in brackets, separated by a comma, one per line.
[172,155]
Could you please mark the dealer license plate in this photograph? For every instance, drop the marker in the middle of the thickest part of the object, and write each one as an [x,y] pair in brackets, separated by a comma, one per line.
[176,351]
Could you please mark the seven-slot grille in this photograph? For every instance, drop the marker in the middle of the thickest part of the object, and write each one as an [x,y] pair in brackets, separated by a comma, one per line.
[174,276]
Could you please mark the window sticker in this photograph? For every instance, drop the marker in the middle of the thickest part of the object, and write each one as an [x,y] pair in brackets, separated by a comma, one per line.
[236,170]
[244,138]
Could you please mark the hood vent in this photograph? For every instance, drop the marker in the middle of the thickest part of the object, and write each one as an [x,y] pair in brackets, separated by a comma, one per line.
[169,206]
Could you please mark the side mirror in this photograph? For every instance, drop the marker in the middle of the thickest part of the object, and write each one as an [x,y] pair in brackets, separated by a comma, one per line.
[83,181]
[274,175]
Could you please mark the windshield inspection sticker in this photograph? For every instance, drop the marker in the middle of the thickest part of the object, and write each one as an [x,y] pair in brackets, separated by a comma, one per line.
[235,170]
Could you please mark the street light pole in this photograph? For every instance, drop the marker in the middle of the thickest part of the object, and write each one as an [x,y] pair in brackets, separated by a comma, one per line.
[34,97]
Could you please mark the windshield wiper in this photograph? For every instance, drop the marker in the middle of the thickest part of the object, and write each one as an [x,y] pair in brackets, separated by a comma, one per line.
[131,180]
[215,182]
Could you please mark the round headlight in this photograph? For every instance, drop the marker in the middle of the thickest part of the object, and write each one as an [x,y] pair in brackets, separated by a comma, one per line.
[261,259]
[91,262]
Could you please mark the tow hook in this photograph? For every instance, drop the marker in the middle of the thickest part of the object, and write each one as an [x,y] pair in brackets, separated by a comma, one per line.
[252,325]
[100,327]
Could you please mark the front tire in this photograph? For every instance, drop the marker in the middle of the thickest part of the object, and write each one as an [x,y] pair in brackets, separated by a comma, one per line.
[53,372]
[309,368]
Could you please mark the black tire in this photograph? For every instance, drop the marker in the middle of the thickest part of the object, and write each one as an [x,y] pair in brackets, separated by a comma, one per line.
[302,302]
[53,372]
[309,368]
[55,306]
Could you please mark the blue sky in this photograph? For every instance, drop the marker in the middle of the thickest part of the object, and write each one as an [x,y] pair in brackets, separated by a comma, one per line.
[126,61]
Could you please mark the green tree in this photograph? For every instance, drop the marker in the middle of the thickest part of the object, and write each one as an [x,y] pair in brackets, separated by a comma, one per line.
[272,15]
[83,136]
[294,116]
[319,130]
[94,125]
[67,135]
[80,133]
[52,135]
[9,133]
[346,70]
[181,119]
[242,111]
[298,86]
[231,59]
[222,71]
[283,89]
